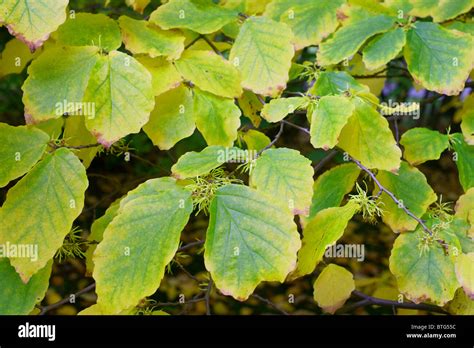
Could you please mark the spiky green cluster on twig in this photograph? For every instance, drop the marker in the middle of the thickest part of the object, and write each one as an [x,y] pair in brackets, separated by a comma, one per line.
[369,206]
[72,247]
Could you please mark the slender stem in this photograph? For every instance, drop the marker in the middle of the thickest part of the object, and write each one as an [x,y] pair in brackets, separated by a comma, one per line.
[270,303]
[46,309]
[211,44]
[304,130]
[330,155]
[280,132]
[208,297]
[190,245]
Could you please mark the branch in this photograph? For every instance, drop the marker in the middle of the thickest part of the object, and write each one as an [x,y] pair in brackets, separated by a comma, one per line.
[211,44]
[304,130]
[370,300]
[46,309]
[270,303]
[208,297]
[330,155]
[280,132]
[78,147]
[392,196]
[190,245]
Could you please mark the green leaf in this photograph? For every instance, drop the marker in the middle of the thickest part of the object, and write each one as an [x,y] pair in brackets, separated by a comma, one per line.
[279,108]
[331,187]
[349,38]
[464,158]
[97,233]
[76,134]
[423,274]
[335,83]
[164,75]
[144,37]
[120,89]
[20,149]
[217,118]
[172,119]
[250,239]
[251,106]
[383,48]
[461,304]
[409,185]
[465,273]
[311,21]
[18,298]
[14,57]
[328,119]
[32,21]
[139,242]
[322,231]
[138,5]
[59,75]
[465,206]
[333,287]
[263,52]
[46,201]
[438,58]
[423,145]
[201,16]
[256,140]
[286,175]
[467,116]
[193,164]
[52,127]
[210,72]
[440,10]
[368,138]
[87,29]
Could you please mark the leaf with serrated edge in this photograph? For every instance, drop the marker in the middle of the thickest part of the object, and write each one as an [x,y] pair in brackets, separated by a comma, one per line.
[263,52]
[203,17]
[250,239]
[333,287]
[440,10]
[143,37]
[465,273]
[423,145]
[164,75]
[210,72]
[59,75]
[120,89]
[464,160]
[16,297]
[279,108]
[328,119]
[46,201]
[367,137]
[439,59]
[172,119]
[382,49]
[41,19]
[322,231]
[20,148]
[409,185]
[424,276]
[217,118]
[139,242]
[88,29]
[286,175]
[331,187]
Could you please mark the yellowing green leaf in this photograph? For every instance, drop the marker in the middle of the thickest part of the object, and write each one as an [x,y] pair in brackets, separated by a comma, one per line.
[322,231]
[140,36]
[279,108]
[438,58]
[217,118]
[250,239]
[423,145]
[335,83]
[412,189]
[120,89]
[164,75]
[59,75]
[467,116]
[328,119]
[16,297]
[333,287]
[256,140]
[139,242]
[464,158]
[251,106]
[138,5]
[15,57]
[349,38]
[465,273]
[286,175]
[423,271]
[20,149]
[368,138]
[172,119]
[32,21]
[461,304]
[311,21]
[210,73]
[331,187]
[87,29]
[46,201]
[202,16]
[383,48]
[263,52]
[465,206]
[440,10]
